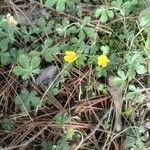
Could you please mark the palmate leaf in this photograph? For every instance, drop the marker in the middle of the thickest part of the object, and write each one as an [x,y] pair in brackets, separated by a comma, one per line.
[104,14]
[26,100]
[134,94]
[27,66]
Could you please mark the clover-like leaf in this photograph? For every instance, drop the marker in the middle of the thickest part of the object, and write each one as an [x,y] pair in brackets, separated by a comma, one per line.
[27,66]
[104,13]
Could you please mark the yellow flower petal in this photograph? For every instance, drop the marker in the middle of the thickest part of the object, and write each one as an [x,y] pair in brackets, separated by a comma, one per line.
[103,61]
[70,56]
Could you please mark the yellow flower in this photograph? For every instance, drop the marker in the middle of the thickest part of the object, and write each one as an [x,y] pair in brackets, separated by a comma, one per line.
[11,20]
[103,60]
[70,56]
[69,132]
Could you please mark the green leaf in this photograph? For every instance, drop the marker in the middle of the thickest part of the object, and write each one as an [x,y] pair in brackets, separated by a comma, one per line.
[50,24]
[89,31]
[18,70]
[48,42]
[128,111]
[7,124]
[5,58]
[26,76]
[98,71]
[134,94]
[121,79]
[60,6]
[26,100]
[132,88]
[144,18]
[62,144]
[99,11]
[81,34]
[24,61]
[65,22]
[121,74]
[46,145]
[117,3]
[50,3]
[4,44]
[42,22]
[140,69]
[48,53]
[35,101]
[105,49]
[72,29]
[35,62]
[81,60]
[110,14]
[86,20]
[62,118]
[129,142]
[27,66]
[104,17]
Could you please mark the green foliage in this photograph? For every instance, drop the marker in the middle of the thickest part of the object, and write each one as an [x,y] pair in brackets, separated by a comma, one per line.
[54,89]
[7,124]
[125,7]
[102,88]
[62,144]
[100,72]
[28,66]
[43,26]
[7,34]
[60,4]
[134,94]
[26,100]
[112,30]
[144,19]
[104,14]
[105,49]
[135,64]
[128,111]
[135,137]
[7,39]
[121,79]
[62,118]
[47,145]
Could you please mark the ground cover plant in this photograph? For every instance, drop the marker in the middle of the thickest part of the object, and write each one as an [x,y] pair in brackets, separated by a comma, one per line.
[74,74]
